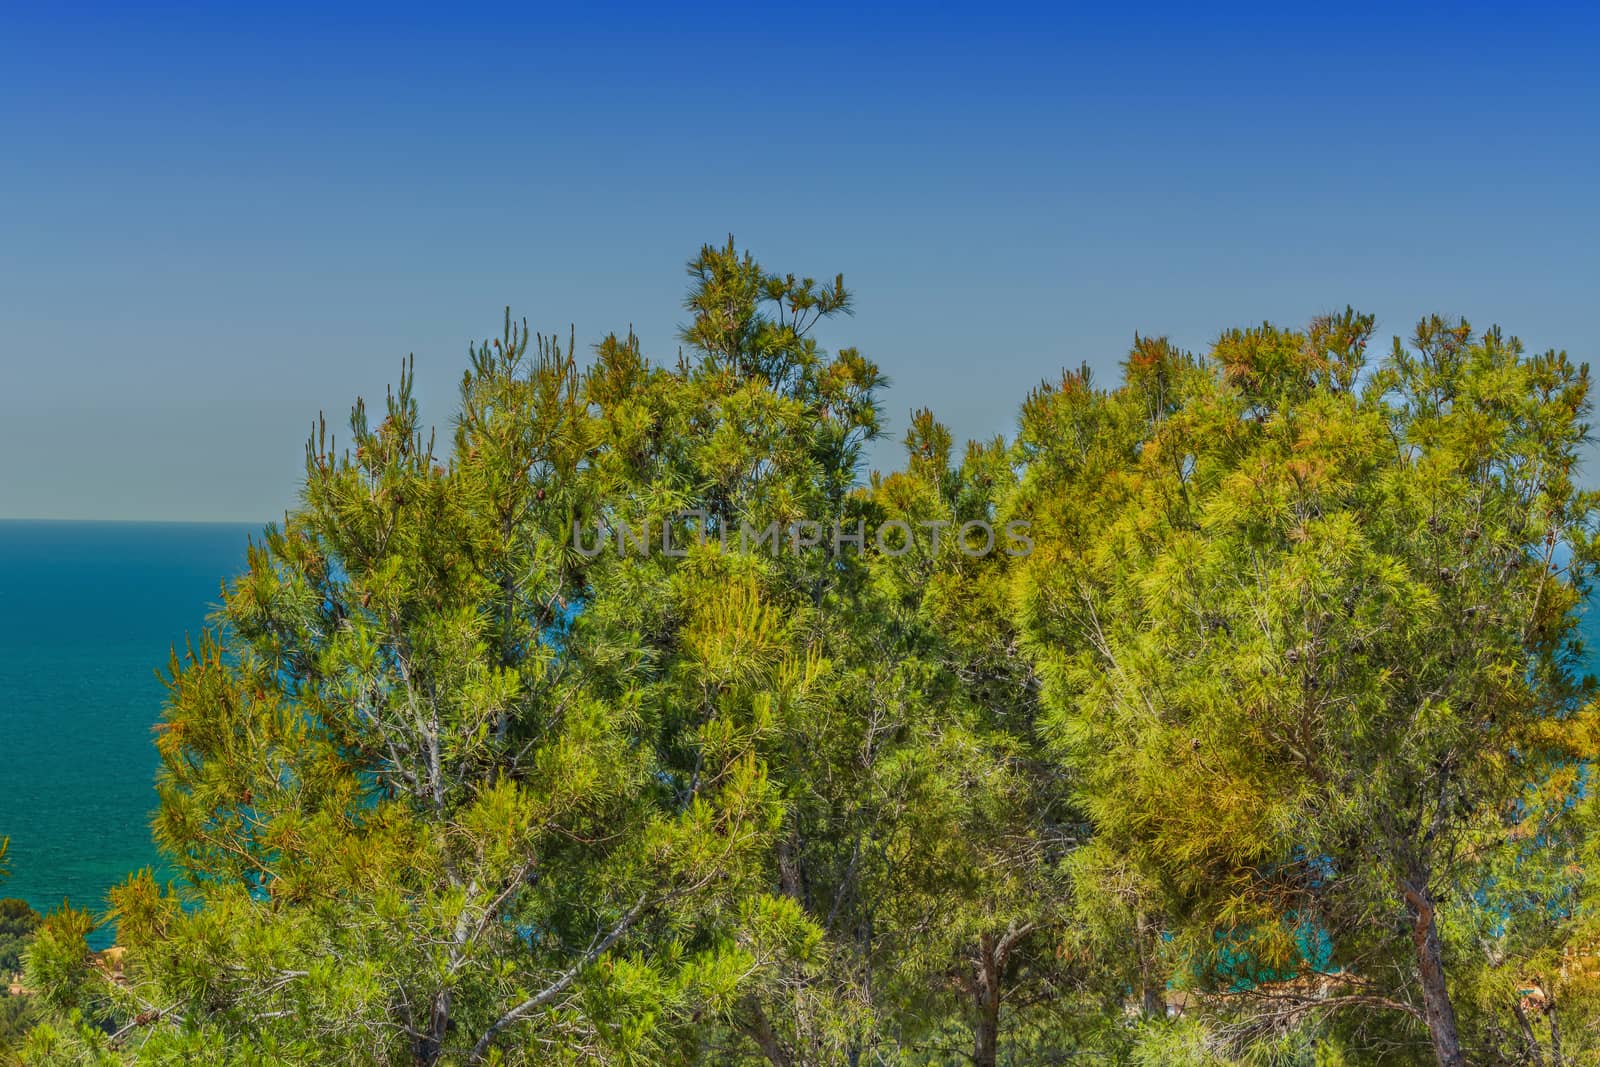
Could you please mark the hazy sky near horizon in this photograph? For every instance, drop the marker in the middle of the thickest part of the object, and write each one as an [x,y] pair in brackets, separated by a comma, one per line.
[215,222]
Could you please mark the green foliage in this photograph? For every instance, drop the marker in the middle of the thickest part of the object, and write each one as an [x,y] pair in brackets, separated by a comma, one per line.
[17,923]
[1255,735]
[1319,662]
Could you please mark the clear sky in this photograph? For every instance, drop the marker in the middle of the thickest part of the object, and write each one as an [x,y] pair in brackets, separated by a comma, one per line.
[213,225]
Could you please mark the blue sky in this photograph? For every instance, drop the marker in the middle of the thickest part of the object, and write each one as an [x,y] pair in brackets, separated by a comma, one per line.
[214,224]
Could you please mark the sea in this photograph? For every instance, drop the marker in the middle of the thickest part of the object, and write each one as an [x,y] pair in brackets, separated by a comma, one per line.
[89,612]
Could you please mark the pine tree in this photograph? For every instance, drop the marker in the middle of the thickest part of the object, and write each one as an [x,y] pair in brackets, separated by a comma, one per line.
[972,903]
[746,452]
[1324,651]
[411,825]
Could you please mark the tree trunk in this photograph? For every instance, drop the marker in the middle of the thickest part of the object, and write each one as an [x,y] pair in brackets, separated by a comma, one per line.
[986,999]
[789,878]
[1555,1029]
[1153,987]
[1438,1011]
[1530,1039]
[431,1045]
[759,1028]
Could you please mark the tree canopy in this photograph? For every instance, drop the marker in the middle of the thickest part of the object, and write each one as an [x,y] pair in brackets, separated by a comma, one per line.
[1235,712]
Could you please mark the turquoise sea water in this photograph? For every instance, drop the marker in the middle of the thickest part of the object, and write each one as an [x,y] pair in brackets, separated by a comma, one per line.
[88,611]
